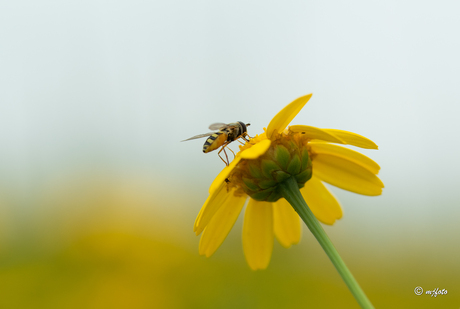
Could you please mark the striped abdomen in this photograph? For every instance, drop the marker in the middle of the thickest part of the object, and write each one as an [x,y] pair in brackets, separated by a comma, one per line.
[215,141]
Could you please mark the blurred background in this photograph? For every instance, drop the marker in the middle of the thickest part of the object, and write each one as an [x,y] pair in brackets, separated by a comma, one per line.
[98,196]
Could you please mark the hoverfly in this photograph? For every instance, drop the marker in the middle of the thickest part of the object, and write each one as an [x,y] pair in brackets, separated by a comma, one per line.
[223,135]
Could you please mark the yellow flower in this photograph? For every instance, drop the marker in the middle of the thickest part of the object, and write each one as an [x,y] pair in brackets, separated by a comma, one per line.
[304,152]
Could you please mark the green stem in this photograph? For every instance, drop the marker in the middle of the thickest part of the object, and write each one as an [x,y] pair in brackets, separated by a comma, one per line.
[292,194]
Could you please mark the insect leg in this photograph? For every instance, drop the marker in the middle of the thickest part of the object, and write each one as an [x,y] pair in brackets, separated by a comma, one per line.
[223,148]
[243,137]
[232,152]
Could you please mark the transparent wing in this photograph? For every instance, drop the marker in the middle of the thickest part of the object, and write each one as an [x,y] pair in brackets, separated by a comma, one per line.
[199,136]
[217,126]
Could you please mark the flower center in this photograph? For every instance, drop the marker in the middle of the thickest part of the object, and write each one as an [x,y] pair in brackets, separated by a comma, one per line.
[287,157]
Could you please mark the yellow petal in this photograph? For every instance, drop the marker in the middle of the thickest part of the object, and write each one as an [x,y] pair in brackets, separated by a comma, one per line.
[317,133]
[258,234]
[346,174]
[325,148]
[220,225]
[256,151]
[210,207]
[286,223]
[220,179]
[285,116]
[353,139]
[322,203]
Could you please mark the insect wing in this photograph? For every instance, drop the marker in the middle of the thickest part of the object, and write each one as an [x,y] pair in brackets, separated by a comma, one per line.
[218,126]
[199,136]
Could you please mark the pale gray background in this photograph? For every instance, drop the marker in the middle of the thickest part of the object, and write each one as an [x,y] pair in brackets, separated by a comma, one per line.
[113,85]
